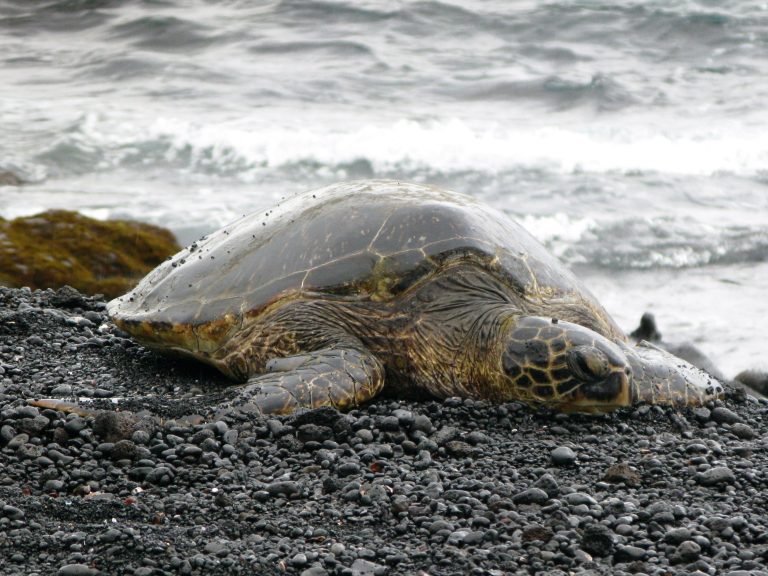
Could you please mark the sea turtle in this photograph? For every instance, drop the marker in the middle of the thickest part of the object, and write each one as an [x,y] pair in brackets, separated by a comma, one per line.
[340,292]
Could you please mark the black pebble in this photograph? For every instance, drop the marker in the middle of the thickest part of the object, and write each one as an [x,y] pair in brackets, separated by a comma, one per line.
[531,496]
[716,476]
[562,456]
[598,539]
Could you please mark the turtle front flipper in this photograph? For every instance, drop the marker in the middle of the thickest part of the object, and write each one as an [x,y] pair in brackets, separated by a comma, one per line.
[338,377]
[661,378]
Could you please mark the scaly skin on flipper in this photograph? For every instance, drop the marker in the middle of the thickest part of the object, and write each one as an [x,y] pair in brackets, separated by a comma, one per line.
[338,377]
[62,406]
[661,378]
[340,292]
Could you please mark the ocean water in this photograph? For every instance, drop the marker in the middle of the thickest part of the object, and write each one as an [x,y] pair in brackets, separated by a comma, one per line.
[630,137]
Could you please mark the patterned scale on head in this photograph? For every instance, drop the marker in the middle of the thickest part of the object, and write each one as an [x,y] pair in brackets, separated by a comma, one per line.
[564,364]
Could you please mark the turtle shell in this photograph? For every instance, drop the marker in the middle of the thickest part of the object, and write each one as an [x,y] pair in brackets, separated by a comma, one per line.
[365,240]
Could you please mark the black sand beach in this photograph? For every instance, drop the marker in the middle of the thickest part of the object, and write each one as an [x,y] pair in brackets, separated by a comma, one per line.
[453,487]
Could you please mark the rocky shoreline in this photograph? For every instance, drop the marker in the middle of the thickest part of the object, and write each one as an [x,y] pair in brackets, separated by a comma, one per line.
[396,487]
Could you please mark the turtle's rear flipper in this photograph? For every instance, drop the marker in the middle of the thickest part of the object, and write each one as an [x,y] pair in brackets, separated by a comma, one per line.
[63,406]
[115,425]
[338,377]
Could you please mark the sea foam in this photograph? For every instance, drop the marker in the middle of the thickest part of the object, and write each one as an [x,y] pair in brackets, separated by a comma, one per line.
[252,145]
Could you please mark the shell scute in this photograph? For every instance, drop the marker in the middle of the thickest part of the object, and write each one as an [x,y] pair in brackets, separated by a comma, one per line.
[415,226]
[355,268]
[397,272]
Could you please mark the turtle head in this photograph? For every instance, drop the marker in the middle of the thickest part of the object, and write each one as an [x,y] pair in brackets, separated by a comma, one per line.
[567,366]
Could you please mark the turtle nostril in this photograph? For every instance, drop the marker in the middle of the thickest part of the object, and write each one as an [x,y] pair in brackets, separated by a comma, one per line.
[628,371]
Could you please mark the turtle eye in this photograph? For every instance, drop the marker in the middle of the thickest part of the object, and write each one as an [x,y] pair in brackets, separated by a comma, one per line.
[588,363]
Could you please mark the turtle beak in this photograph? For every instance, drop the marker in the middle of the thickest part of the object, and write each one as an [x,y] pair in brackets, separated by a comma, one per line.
[614,392]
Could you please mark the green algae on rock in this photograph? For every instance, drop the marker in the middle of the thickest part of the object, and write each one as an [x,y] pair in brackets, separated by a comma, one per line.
[61,247]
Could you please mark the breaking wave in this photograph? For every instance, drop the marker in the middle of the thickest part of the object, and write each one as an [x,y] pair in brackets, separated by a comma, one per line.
[105,142]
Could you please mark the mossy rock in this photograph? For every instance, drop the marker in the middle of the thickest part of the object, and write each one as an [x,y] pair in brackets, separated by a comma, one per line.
[60,247]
